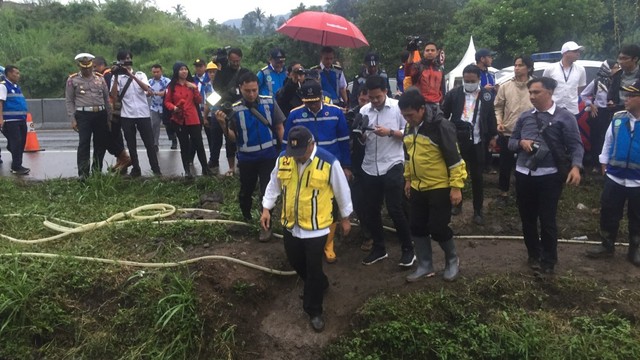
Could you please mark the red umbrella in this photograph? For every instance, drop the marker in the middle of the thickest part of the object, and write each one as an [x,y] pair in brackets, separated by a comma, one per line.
[324,29]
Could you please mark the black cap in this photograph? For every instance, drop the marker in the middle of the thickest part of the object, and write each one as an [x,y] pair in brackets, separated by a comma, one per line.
[633,89]
[484,52]
[297,141]
[277,54]
[311,91]
[371,59]
[199,62]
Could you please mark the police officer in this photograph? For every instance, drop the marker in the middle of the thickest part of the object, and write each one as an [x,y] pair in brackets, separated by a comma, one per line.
[87,102]
[371,67]
[332,77]
[272,77]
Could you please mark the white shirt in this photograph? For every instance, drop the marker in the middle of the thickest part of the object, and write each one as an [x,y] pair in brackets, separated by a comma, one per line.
[3,90]
[339,185]
[569,80]
[599,100]
[381,153]
[541,170]
[468,112]
[134,102]
[604,156]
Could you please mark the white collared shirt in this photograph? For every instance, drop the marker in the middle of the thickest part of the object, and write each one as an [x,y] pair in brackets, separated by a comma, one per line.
[381,153]
[569,80]
[134,103]
[339,185]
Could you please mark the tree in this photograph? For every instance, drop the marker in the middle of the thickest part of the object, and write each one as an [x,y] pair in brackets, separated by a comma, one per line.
[513,27]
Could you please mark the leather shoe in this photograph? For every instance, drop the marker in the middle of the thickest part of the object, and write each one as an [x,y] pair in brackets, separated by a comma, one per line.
[317,323]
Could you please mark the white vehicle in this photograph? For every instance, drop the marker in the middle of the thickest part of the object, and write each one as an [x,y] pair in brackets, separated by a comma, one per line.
[590,66]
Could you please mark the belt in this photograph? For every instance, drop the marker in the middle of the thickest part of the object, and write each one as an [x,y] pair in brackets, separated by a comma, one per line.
[90,108]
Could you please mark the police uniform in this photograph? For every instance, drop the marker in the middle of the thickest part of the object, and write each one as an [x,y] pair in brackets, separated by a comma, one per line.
[87,103]
[332,80]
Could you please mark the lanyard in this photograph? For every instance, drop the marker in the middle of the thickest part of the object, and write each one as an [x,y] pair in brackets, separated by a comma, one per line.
[566,76]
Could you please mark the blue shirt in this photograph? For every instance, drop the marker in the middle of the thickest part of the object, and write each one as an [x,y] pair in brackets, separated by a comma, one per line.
[158,86]
[270,81]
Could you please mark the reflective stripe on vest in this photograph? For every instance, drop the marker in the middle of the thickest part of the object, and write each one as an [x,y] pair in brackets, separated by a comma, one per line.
[15,106]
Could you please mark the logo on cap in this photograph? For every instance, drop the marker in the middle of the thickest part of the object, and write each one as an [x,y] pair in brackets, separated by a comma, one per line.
[294,142]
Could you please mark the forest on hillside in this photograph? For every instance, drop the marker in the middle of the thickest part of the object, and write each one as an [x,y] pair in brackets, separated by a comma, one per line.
[42,37]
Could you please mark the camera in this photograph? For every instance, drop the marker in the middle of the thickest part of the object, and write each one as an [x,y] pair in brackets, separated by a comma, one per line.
[361,124]
[118,67]
[414,43]
[534,147]
[221,56]
[538,153]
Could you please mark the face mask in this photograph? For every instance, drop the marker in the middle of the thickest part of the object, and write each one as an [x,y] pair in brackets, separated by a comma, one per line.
[470,87]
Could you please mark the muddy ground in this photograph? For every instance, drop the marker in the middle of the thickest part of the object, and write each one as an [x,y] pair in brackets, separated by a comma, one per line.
[268,310]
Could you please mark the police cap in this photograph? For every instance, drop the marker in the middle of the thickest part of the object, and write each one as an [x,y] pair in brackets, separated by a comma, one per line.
[85,60]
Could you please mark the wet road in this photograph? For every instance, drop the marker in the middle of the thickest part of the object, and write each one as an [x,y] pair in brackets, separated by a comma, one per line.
[58,159]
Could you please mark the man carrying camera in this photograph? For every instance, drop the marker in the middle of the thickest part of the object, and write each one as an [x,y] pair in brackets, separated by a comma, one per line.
[131,90]
[288,97]
[226,85]
[256,126]
[427,75]
[543,138]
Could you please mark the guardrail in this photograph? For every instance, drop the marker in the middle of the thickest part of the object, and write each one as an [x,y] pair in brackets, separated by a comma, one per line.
[48,114]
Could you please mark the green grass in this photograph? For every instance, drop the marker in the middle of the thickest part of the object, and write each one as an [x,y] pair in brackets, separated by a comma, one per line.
[65,308]
[499,317]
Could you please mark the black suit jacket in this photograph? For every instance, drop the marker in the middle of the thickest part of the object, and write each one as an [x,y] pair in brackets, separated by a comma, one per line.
[453,106]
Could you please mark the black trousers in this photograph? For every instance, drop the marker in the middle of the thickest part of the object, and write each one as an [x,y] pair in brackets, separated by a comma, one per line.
[431,214]
[598,128]
[115,141]
[387,188]
[305,256]
[190,138]
[250,173]
[538,198]
[143,125]
[16,134]
[474,156]
[612,203]
[91,125]
[507,162]
[214,137]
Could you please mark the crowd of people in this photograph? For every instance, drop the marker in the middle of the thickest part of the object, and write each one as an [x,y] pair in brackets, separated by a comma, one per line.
[335,156]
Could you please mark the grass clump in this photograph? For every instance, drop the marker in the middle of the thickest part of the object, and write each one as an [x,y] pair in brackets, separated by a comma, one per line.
[499,317]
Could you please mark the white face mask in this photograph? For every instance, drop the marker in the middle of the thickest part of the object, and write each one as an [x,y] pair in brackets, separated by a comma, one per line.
[471,87]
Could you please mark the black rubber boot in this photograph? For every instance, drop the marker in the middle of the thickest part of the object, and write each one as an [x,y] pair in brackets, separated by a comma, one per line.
[634,250]
[451,258]
[422,247]
[605,249]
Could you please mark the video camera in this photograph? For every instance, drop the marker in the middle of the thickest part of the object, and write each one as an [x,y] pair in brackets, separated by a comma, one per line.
[414,43]
[118,67]
[361,124]
[221,56]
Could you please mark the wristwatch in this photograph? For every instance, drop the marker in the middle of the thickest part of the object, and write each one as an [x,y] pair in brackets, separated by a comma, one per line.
[391,133]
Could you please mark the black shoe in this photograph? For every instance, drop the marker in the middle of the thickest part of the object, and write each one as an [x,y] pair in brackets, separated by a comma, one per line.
[534,263]
[374,257]
[174,144]
[317,323]
[21,171]
[407,259]
[478,219]
[135,172]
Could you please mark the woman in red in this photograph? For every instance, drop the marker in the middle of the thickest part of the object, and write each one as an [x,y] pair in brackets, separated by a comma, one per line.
[182,99]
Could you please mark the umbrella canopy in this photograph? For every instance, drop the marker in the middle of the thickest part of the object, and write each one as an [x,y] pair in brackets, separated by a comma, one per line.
[324,29]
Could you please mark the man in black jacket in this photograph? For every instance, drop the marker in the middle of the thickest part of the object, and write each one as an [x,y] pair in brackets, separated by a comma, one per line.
[470,108]
[629,72]
[288,96]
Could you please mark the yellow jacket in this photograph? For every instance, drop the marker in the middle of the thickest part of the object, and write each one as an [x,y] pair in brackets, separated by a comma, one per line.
[308,199]
[434,161]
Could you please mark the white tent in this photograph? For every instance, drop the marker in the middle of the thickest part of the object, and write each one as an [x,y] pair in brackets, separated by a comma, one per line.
[454,77]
